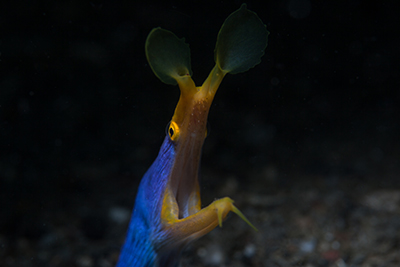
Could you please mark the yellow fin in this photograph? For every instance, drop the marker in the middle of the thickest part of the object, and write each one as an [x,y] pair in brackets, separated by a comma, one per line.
[241,215]
[221,206]
[224,204]
[168,56]
[241,41]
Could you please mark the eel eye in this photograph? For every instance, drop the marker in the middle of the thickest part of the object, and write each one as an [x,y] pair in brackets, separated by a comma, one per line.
[173,131]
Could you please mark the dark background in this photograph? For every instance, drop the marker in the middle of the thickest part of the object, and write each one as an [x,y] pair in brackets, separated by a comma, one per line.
[82,117]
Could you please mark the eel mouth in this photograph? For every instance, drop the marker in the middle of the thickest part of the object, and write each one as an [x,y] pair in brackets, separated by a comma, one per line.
[184,176]
[190,117]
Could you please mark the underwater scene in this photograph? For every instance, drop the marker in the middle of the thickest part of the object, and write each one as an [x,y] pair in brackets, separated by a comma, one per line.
[199,133]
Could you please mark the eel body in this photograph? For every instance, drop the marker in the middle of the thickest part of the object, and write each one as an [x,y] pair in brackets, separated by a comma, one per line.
[167,214]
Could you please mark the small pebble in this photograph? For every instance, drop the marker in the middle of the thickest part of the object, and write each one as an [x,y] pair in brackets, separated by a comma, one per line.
[308,246]
[216,257]
[119,215]
[249,250]
[84,261]
[335,245]
[212,255]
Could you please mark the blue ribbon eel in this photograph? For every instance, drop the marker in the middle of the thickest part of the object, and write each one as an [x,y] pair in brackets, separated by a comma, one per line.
[167,214]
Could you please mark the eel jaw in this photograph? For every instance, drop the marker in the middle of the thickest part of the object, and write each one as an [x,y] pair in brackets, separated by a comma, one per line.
[179,232]
[182,217]
[183,180]
[190,119]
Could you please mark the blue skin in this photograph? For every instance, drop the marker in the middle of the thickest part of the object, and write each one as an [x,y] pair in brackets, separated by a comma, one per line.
[141,247]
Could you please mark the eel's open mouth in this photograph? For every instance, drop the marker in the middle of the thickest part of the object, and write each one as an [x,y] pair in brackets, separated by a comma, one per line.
[184,182]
